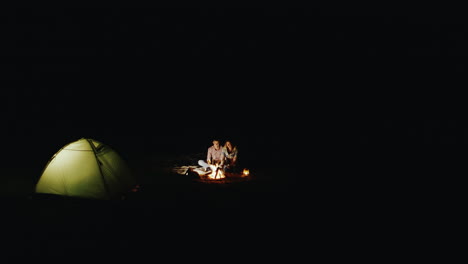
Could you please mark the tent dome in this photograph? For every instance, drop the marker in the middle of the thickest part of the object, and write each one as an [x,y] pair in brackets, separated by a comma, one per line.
[86,168]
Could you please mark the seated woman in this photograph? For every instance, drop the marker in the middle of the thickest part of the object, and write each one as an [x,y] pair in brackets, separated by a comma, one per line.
[230,156]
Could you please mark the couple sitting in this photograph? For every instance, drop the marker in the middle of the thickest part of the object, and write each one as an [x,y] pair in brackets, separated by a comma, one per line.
[224,157]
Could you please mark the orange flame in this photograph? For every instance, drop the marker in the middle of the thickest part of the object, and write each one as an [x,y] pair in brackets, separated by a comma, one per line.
[216,172]
[245,172]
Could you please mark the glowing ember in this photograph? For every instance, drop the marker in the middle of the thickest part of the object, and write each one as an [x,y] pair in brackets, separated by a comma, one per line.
[245,172]
[216,172]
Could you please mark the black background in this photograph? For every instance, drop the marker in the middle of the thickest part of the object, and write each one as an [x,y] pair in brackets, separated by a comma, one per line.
[148,80]
[364,106]
[377,88]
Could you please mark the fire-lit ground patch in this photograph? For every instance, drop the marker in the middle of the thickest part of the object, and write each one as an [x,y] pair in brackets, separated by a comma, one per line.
[215,175]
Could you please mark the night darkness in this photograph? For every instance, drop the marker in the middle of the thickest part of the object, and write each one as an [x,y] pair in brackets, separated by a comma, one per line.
[376,96]
[151,80]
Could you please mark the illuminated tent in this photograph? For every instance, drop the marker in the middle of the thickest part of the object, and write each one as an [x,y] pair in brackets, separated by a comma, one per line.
[86,168]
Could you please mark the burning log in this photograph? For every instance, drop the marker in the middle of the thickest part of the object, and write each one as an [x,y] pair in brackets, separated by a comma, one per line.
[216,172]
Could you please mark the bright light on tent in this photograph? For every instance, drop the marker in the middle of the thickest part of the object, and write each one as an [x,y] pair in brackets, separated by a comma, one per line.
[86,168]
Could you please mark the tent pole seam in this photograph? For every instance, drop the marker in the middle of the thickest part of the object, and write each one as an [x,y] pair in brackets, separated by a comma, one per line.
[99,166]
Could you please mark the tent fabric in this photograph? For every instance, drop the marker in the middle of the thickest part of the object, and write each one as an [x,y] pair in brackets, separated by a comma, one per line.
[86,168]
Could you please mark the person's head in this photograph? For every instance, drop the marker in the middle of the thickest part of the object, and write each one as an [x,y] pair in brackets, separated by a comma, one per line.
[215,143]
[228,144]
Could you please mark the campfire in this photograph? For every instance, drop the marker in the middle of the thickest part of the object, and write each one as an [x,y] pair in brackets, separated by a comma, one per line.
[216,172]
[216,175]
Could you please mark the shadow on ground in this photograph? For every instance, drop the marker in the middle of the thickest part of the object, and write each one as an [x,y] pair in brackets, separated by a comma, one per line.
[160,187]
[170,212]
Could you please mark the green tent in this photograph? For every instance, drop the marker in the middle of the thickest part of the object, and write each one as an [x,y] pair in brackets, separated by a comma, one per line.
[86,168]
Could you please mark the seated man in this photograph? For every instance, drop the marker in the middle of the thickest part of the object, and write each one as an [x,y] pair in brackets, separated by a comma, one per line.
[214,156]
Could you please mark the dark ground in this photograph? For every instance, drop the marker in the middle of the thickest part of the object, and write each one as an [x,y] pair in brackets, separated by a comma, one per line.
[170,212]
